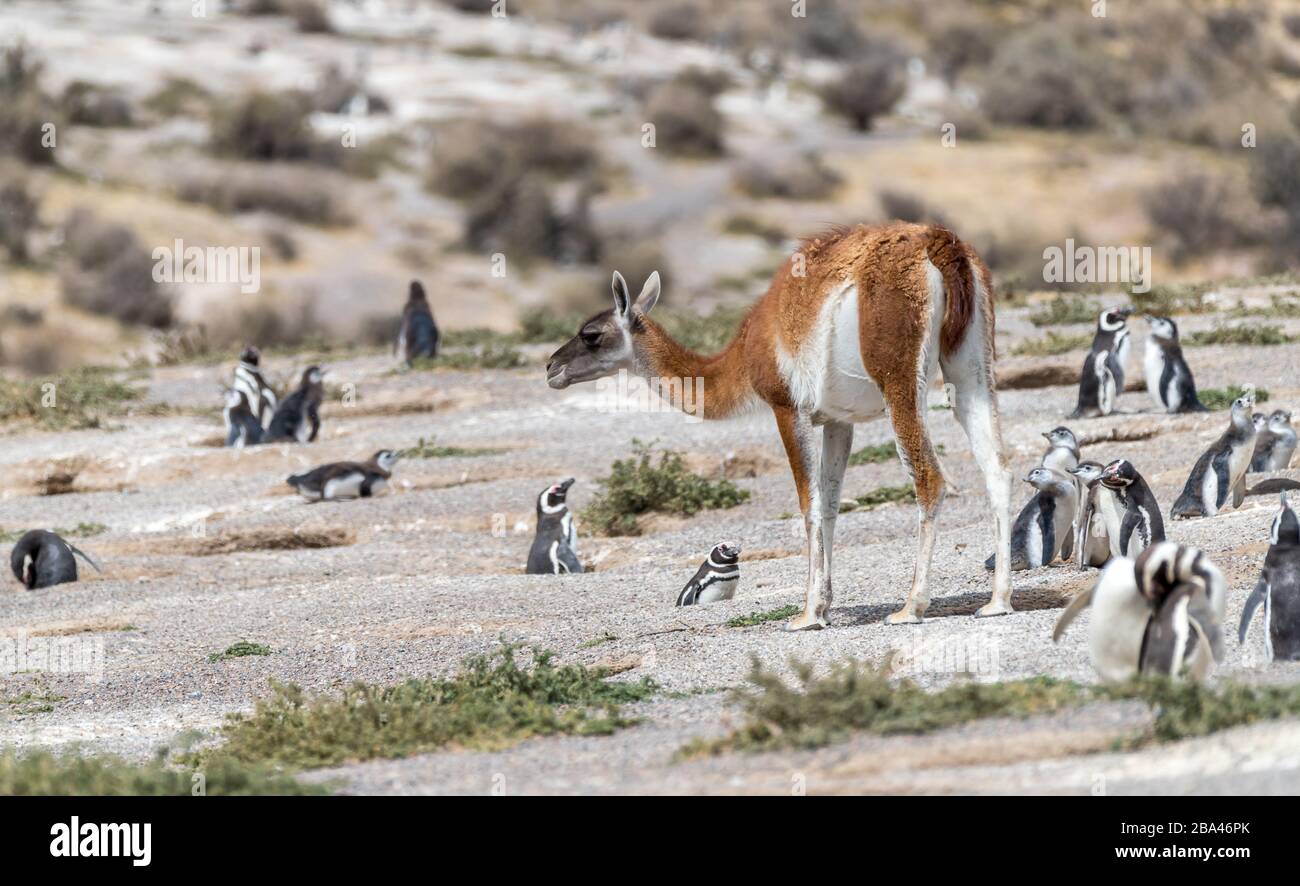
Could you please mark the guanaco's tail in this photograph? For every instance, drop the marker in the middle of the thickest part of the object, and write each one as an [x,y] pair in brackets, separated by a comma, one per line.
[948,254]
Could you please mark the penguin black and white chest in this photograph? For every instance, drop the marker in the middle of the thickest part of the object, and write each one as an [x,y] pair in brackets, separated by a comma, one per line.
[1275,442]
[343,480]
[1091,537]
[242,427]
[1134,523]
[1044,527]
[1062,453]
[716,579]
[41,559]
[1160,614]
[418,335]
[1221,469]
[1102,379]
[1169,380]
[1278,589]
[555,546]
[253,385]
[298,416]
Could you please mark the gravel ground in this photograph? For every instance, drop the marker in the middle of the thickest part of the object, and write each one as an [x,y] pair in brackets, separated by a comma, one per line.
[434,572]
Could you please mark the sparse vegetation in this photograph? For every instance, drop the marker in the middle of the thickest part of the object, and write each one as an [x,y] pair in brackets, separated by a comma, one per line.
[242,649]
[491,354]
[430,449]
[282,189]
[1165,301]
[707,333]
[19,215]
[686,122]
[814,711]
[1221,398]
[804,178]
[1241,334]
[90,104]
[490,703]
[868,87]
[1199,211]
[1051,344]
[111,273]
[872,455]
[757,618]
[881,495]
[40,773]
[82,398]
[637,486]
[1064,310]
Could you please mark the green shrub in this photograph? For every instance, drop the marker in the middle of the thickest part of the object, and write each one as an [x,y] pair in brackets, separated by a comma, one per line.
[686,122]
[706,333]
[489,355]
[1066,309]
[40,773]
[1165,301]
[1221,398]
[490,703]
[637,486]
[242,649]
[868,88]
[1244,334]
[881,495]
[871,455]
[1050,345]
[81,398]
[430,449]
[758,618]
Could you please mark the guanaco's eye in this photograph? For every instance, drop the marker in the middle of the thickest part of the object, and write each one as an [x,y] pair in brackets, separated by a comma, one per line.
[591,338]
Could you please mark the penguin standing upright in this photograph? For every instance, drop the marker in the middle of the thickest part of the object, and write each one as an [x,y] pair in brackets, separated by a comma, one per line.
[298,416]
[1043,528]
[41,559]
[1102,378]
[1161,614]
[1135,522]
[242,427]
[253,385]
[1278,589]
[1275,442]
[555,546]
[1169,380]
[418,335]
[1062,453]
[716,579]
[1221,469]
[346,479]
[1091,537]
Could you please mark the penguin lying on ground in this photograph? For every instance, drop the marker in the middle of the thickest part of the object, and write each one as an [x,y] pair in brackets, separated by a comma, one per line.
[1221,469]
[298,416]
[1091,540]
[716,579]
[242,427]
[555,546]
[1278,589]
[346,479]
[1169,380]
[418,335]
[1161,614]
[1102,378]
[253,385]
[1275,441]
[1043,528]
[1062,453]
[1135,521]
[41,559]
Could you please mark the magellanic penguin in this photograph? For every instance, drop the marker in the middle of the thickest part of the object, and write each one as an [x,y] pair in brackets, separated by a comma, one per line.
[1278,589]
[298,416]
[1275,442]
[716,579]
[42,558]
[1169,380]
[1091,538]
[1221,469]
[418,335]
[555,546]
[1062,453]
[1161,614]
[1135,522]
[1102,379]
[346,479]
[242,427]
[1044,526]
[253,385]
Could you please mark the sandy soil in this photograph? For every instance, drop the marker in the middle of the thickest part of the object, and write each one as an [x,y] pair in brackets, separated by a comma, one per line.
[205,547]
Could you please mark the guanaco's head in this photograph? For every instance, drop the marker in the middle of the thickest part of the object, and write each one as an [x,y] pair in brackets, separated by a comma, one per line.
[607,342]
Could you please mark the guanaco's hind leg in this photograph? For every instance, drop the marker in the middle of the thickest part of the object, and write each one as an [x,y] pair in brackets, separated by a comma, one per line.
[800,439]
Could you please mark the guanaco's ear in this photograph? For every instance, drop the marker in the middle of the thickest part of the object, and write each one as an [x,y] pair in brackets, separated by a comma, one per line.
[649,293]
[622,299]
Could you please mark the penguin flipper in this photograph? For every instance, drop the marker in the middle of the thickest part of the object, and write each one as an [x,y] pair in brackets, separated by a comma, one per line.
[83,555]
[1203,617]
[690,594]
[1252,603]
[1067,546]
[1198,666]
[1077,605]
[1272,486]
[1239,492]
[568,559]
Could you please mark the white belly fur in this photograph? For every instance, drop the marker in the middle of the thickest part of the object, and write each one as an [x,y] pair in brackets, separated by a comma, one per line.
[1153,365]
[344,487]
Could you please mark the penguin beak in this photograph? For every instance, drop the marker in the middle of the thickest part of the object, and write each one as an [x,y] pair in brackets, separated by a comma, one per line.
[564,486]
[1047,435]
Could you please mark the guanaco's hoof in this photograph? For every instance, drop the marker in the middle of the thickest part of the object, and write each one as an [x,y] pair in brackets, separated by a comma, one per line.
[990,609]
[806,623]
[903,617]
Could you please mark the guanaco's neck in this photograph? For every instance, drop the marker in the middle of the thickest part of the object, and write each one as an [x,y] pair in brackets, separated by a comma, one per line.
[712,386]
